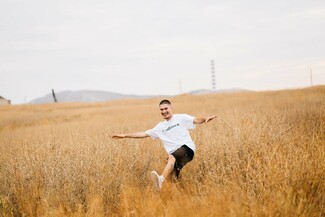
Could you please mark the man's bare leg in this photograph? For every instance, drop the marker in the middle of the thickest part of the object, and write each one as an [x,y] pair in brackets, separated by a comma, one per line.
[169,168]
[167,173]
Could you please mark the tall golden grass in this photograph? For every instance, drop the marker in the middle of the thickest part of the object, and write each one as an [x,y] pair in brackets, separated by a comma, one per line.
[263,156]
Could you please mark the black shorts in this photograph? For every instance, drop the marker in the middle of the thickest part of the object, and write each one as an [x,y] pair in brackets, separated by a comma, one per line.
[183,155]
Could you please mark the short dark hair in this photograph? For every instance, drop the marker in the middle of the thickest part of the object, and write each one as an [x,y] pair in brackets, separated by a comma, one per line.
[165,101]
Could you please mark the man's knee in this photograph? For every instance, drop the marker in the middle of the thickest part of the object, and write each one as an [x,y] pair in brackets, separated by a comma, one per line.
[171,159]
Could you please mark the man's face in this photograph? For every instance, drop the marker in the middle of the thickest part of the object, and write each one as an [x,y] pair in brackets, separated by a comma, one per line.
[166,111]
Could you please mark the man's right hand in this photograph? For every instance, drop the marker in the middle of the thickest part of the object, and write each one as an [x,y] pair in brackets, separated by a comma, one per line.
[118,136]
[137,135]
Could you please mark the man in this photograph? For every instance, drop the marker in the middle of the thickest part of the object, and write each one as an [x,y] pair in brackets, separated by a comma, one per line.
[174,134]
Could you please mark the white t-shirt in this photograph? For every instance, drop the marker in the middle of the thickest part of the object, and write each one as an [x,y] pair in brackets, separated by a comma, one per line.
[174,133]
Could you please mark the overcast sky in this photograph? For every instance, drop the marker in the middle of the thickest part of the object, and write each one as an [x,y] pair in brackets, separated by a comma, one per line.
[158,47]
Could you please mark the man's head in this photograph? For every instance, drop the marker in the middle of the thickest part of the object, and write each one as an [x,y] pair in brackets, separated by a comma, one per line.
[166,109]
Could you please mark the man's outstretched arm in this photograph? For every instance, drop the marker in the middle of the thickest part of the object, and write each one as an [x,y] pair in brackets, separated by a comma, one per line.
[137,135]
[200,120]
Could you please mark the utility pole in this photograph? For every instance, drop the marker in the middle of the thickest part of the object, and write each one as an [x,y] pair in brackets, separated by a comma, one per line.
[180,86]
[54,97]
[213,79]
[311,77]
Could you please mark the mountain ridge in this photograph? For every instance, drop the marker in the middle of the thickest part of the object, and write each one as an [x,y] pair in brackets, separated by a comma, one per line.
[101,96]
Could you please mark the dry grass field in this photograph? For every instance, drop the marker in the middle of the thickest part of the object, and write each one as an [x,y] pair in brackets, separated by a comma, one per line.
[263,156]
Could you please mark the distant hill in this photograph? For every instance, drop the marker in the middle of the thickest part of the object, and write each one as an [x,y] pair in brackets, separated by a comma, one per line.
[209,91]
[101,96]
[84,96]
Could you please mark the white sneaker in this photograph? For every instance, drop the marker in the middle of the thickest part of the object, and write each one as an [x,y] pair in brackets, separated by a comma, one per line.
[156,180]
